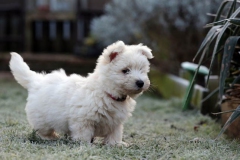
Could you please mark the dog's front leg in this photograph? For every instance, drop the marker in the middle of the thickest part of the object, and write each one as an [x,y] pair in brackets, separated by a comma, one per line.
[82,133]
[115,137]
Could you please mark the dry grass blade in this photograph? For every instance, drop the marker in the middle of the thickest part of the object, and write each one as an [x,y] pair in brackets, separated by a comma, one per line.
[221,22]
[224,112]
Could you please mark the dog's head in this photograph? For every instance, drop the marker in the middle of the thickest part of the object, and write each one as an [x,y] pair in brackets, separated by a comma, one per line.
[126,67]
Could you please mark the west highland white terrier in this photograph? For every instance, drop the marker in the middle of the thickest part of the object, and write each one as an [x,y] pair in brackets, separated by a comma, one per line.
[86,107]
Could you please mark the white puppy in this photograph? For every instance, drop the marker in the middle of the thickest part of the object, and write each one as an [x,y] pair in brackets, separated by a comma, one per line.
[86,107]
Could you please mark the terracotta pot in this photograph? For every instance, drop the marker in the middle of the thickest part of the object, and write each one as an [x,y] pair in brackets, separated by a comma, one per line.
[234,129]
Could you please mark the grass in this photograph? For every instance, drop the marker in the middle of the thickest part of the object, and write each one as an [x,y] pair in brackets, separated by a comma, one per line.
[157,130]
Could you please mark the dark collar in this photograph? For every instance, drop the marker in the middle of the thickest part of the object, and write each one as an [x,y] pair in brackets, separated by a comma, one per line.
[117,98]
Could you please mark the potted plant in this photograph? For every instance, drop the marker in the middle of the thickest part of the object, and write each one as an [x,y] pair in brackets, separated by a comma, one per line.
[222,45]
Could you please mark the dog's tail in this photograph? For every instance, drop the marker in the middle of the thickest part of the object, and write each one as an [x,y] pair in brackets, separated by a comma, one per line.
[20,70]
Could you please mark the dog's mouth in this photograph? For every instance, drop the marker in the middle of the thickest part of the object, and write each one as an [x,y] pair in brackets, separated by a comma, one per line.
[135,91]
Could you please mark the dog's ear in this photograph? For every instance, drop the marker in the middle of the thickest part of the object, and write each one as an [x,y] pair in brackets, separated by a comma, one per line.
[145,51]
[112,51]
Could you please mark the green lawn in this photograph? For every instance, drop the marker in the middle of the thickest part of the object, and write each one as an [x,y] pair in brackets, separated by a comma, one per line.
[157,130]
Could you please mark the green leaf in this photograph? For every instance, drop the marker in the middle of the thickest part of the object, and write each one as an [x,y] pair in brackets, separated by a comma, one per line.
[229,49]
[232,8]
[219,38]
[195,74]
[217,47]
[220,10]
[230,120]
[235,13]
[235,21]
[224,112]
[209,37]
[215,23]
[212,40]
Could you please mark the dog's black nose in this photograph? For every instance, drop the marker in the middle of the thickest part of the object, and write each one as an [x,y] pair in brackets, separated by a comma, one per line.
[139,83]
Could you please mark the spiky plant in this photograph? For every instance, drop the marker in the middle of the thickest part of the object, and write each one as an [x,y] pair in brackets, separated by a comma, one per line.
[221,45]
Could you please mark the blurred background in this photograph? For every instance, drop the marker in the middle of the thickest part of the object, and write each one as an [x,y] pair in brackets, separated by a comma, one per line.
[49,34]
[72,33]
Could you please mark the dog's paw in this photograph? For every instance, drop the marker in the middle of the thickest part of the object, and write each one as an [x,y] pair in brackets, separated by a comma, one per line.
[122,144]
[118,144]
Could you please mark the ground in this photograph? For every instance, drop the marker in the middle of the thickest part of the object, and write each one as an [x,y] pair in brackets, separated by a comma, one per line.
[158,129]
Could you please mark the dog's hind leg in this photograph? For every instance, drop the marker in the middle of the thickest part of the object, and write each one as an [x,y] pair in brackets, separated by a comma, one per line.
[49,134]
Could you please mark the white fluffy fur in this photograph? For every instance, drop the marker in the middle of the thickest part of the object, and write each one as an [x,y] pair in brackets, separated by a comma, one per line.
[81,106]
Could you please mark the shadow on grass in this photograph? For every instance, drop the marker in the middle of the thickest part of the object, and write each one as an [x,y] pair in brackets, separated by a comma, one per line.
[34,138]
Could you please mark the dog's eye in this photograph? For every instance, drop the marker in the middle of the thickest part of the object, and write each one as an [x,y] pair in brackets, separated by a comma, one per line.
[125,71]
